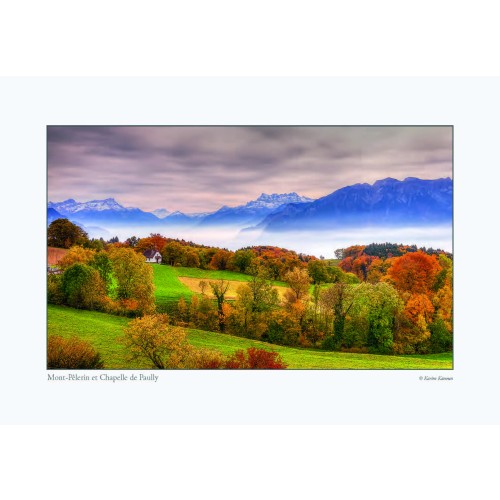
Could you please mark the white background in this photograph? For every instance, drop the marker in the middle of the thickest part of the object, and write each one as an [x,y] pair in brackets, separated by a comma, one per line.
[222,38]
[293,397]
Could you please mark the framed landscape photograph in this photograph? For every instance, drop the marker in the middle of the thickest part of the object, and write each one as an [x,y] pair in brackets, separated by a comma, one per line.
[250,247]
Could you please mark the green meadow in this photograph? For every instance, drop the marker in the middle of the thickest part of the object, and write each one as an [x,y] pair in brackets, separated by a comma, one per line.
[208,274]
[168,288]
[103,331]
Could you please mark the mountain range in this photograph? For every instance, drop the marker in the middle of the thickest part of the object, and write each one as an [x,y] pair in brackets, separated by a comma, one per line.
[254,211]
[386,202]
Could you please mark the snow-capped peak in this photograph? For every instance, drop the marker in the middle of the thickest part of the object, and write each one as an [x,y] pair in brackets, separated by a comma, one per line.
[71,206]
[161,213]
[276,200]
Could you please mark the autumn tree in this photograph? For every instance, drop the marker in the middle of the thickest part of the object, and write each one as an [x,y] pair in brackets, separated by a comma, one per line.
[62,233]
[219,289]
[152,339]
[95,244]
[284,326]
[221,260]
[190,258]
[154,241]
[299,281]
[262,295]
[134,278]
[414,272]
[255,299]
[74,255]
[172,253]
[202,313]
[242,260]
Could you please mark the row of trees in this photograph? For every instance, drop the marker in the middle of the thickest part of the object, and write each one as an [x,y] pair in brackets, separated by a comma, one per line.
[381,298]
[408,310]
[117,281]
[155,340]
[175,252]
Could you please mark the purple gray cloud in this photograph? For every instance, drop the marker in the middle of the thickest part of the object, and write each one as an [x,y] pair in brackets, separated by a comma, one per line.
[197,169]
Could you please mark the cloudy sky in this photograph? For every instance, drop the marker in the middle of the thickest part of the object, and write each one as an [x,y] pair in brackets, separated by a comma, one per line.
[198,169]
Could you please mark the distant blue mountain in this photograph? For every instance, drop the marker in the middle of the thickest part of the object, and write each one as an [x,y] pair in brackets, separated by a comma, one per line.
[103,212]
[387,202]
[52,215]
[176,219]
[252,212]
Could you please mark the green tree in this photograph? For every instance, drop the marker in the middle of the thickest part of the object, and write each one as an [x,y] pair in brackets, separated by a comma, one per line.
[379,304]
[172,253]
[62,233]
[318,271]
[134,278]
[102,263]
[338,299]
[190,258]
[262,295]
[219,289]
[82,287]
[242,260]
[132,241]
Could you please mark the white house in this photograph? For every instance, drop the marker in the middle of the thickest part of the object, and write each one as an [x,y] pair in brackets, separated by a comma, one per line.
[153,256]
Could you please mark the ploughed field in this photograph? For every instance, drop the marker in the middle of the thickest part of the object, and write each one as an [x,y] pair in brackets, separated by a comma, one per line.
[103,332]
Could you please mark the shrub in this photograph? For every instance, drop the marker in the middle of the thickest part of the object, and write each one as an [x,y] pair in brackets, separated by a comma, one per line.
[254,358]
[283,328]
[72,354]
[55,295]
[355,350]
[440,340]
[206,359]
[329,344]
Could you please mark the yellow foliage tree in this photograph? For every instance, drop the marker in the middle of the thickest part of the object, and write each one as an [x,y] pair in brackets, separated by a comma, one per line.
[76,255]
[134,278]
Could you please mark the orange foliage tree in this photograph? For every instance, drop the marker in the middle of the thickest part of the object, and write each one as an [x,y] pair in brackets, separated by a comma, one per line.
[414,272]
[154,241]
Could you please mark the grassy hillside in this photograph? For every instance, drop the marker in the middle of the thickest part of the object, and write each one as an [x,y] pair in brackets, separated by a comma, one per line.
[208,274]
[103,330]
[168,287]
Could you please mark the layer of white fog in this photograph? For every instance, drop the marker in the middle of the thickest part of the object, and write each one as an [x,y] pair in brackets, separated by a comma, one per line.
[318,243]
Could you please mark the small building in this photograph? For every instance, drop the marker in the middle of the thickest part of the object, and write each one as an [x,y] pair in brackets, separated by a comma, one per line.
[153,256]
